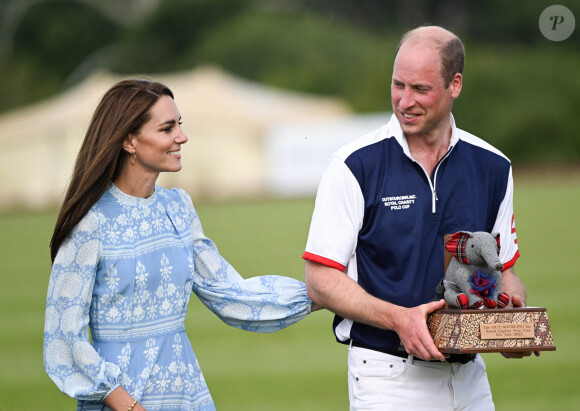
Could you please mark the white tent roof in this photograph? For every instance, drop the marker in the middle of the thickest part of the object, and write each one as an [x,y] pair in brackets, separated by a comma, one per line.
[224,117]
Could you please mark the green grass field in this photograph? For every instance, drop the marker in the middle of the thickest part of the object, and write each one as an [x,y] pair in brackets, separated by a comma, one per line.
[302,368]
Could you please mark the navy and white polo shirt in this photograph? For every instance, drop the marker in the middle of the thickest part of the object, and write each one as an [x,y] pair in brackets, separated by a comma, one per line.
[381,219]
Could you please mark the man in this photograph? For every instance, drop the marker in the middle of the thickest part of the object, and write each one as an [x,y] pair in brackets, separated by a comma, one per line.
[383,207]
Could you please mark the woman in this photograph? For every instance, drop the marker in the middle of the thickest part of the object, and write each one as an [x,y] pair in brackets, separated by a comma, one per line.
[126,255]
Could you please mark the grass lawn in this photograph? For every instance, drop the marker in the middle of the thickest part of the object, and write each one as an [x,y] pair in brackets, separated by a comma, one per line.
[302,368]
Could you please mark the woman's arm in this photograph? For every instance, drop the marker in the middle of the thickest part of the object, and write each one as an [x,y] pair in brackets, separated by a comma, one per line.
[261,304]
[69,359]
[120,400]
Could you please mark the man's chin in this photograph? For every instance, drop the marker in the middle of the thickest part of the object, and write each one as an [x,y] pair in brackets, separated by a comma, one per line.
[410,130]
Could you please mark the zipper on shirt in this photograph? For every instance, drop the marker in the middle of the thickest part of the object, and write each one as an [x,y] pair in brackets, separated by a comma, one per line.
[433,183]
[434,200]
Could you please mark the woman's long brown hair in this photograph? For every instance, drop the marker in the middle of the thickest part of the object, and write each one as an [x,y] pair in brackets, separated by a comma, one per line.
[122,111]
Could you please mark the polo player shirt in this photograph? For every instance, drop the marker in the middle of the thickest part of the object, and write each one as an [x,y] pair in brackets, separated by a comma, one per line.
[381,219]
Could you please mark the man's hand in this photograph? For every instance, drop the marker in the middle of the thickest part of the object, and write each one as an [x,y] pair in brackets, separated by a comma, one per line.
[517,302]
[411,326]
[315,307]
[332,289]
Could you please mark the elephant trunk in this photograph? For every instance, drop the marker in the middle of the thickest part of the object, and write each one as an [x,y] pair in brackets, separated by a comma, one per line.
[492,259]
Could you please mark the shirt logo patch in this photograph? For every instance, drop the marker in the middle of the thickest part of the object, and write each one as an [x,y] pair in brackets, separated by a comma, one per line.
[399,202]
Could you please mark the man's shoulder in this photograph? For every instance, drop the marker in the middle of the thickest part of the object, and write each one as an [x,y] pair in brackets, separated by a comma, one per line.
[479,142]
[360,143]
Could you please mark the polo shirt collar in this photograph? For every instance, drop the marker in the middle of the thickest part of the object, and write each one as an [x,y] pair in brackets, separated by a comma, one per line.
[396,131]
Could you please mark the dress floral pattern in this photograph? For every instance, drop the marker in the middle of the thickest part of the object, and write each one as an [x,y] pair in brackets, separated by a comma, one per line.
[118,295]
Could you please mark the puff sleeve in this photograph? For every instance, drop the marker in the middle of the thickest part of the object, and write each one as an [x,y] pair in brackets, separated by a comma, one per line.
[261,304]
[69,359]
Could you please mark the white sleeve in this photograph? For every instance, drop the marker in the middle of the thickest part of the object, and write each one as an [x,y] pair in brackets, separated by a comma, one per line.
[337,217]
[505,226]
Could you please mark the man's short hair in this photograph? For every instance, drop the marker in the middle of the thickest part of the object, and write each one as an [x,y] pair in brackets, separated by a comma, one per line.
[451,52]
[452,56]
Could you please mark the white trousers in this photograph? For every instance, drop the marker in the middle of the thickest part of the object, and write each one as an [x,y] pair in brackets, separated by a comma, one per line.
[383,382]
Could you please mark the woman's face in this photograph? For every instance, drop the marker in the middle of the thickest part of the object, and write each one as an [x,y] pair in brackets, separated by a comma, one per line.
[157,145]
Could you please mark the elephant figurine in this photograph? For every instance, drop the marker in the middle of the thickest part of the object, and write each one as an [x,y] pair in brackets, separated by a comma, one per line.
[473,277]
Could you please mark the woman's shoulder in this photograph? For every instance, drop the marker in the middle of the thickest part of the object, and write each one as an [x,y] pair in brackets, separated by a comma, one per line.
[176,194]
[85,238]
[90,222]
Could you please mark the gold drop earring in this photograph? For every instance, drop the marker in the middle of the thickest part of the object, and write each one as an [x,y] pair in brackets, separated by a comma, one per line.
[133,158]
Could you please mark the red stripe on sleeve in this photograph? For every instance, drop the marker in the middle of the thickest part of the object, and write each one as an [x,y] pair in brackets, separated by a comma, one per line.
[511,262]
[324,261]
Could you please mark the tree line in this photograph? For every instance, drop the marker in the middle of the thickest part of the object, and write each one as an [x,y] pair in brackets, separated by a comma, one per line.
[520,89]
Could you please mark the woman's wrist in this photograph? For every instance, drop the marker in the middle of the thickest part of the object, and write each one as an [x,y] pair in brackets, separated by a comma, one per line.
[121,400]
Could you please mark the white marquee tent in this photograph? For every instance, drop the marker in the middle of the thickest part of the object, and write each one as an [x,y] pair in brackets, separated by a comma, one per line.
[227,120]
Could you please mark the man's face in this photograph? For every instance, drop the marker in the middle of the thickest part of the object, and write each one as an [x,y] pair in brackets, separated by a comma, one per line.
[419,98]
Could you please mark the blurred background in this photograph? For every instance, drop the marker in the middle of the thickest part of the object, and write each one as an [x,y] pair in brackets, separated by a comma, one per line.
[268,89]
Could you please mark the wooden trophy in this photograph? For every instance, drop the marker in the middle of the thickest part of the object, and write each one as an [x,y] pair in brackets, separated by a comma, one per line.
[463,331]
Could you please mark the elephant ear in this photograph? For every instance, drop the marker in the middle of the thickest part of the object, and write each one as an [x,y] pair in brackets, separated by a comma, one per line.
[496,236]
[456,245]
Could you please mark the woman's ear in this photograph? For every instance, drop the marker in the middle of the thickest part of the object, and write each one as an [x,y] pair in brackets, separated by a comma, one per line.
[129,144]
[456,245]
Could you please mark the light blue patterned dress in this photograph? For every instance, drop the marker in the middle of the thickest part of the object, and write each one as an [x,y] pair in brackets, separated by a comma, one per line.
[126,272]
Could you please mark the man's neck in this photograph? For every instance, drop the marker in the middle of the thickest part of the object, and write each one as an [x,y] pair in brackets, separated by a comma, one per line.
[428,150]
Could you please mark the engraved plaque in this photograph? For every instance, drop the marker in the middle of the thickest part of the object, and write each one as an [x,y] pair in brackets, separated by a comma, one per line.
[504,331]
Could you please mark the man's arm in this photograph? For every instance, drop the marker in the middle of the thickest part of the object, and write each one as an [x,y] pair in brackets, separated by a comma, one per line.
[332,289]
[513,285]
